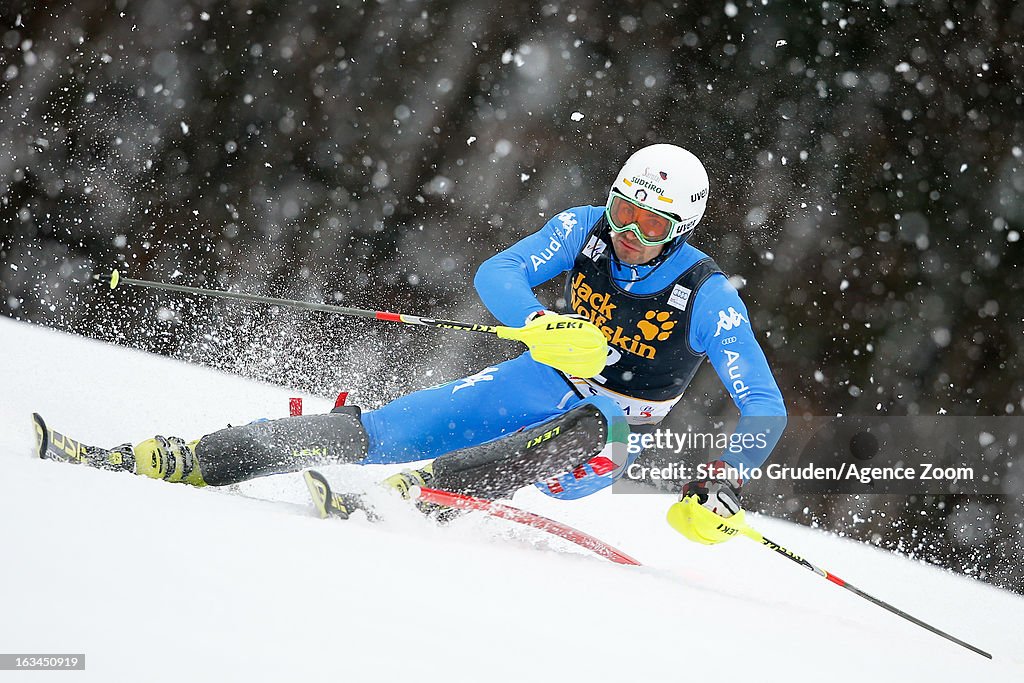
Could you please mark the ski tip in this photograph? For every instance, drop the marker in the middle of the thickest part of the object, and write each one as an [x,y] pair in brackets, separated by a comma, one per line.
[313,475]
[319,491]
[42,435]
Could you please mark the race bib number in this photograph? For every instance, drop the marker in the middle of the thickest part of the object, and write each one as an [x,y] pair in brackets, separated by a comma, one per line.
[638,411]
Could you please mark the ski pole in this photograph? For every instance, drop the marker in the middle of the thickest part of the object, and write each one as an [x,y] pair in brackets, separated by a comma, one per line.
[115,279]
[755,535]
[575,347]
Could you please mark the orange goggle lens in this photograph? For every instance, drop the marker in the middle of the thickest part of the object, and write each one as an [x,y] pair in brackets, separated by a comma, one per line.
[650,227]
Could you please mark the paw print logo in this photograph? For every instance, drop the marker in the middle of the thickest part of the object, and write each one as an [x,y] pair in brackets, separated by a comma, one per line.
[656,326]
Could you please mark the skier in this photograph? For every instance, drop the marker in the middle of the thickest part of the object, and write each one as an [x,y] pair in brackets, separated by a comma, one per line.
[661,303]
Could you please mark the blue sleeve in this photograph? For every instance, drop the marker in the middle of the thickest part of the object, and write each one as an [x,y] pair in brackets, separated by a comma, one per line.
[505,281]
[720,327]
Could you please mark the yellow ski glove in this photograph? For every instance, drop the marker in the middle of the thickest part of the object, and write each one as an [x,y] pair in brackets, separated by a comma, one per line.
[709,509]
[701,525]
[572,345]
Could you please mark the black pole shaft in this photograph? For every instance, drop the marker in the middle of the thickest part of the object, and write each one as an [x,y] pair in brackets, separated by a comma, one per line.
[253,298]
[306,305]
[911,618]
[867,596]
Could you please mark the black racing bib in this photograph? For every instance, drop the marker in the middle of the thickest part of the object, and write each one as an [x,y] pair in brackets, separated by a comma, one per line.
[648,335]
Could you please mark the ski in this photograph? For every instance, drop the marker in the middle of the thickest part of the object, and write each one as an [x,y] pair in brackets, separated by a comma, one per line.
[341,506]
[331,504]
[530,519]
[54,445]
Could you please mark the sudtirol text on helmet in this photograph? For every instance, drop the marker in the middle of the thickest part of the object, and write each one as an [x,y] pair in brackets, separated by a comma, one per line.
[667,179]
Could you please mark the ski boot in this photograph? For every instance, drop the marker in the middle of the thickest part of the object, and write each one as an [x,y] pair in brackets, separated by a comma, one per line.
[169,458]
[406,479]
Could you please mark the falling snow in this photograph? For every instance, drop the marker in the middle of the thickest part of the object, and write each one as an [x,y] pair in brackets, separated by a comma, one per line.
[865,160]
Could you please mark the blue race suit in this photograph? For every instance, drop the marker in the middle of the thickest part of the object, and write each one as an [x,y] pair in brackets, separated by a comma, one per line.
[520,393]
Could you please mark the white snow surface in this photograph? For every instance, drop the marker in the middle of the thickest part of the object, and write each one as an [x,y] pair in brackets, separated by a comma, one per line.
[164,582]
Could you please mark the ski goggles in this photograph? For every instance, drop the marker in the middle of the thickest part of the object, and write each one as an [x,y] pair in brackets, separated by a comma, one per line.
[650,227]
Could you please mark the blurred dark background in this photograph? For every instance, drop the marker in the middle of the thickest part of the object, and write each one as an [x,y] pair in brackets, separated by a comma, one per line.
[867,165]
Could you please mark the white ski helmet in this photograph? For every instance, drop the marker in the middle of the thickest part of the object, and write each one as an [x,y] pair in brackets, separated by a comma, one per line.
[667,179]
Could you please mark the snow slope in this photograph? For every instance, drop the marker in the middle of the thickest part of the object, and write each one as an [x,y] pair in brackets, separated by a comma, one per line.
[160,582]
